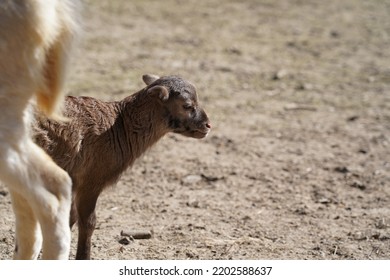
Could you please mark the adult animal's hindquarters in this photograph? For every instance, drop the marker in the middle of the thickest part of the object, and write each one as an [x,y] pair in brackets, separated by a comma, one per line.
[36,38]
[103,139]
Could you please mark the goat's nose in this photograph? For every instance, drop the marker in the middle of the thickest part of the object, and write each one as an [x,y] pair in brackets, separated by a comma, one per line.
[208,125]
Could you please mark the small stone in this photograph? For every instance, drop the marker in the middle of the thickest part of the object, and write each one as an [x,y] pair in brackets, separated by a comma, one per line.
[334,34]
[124,241]
[193,204]
[359,236]
[359,185]
[191,179]
[280,74]
[341,169]
[324,200]
[381,224]
[304,86]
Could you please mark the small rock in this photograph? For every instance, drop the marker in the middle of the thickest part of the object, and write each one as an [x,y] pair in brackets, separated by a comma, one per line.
[124,241]
[341,169]
[301,211]
[352,118]
[193,204]
[334,34]
[211,178]
[280,74]
[324,200]
[359,185]
[376,235]
[363,151]
[304,86]
[383,237]
[299,107]
[381,224]
[191,255]
[246,218]
[359,236]
[191,179]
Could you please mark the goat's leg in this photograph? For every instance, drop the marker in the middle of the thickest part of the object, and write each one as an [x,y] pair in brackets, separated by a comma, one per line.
[28,233]
[45,190]
[86,223]
[13,172]
[73,213]
[52,204]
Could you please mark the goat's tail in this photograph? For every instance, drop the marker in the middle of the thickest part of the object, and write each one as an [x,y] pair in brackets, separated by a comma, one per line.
[51,92]
[55,62]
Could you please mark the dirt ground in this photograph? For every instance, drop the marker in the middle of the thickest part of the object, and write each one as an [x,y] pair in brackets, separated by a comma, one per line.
[297,165]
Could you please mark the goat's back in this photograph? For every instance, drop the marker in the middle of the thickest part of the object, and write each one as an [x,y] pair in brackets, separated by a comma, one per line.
[83,145]
[35,42]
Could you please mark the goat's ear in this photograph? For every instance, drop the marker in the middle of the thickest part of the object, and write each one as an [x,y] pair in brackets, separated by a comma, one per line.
[149,79]
[160,91]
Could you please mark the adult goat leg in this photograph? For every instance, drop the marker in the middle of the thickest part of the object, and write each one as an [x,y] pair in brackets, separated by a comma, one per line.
[52,205]
[41,191]
[28,240]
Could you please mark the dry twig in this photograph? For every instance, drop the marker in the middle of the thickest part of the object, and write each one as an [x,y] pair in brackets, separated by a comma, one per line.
[137,234]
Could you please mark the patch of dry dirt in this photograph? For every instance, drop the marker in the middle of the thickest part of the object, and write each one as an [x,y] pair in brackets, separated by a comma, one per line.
[297,165]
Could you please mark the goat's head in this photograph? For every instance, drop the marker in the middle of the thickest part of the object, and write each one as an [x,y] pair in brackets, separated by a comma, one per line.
[180,102]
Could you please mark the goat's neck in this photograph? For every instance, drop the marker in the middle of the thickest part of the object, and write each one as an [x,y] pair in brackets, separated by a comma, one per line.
[143,122]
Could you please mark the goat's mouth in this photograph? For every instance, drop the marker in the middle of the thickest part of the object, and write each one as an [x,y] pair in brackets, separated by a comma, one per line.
[198,133]
[195,133]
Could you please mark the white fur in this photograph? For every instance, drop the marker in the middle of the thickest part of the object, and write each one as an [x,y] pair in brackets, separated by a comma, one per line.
[36,37]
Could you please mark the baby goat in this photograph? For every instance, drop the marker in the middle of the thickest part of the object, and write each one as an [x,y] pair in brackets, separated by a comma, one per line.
[35,41]
[103,139]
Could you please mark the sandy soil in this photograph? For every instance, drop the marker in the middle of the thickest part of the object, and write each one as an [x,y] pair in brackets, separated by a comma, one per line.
[297,165]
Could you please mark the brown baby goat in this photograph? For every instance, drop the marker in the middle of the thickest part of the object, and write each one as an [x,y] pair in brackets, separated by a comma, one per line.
[102,139]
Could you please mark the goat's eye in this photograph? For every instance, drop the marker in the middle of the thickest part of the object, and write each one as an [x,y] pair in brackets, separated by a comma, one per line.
[188,107]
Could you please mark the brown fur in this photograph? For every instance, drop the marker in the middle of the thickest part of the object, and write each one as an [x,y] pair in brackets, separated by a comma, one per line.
[103,139]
